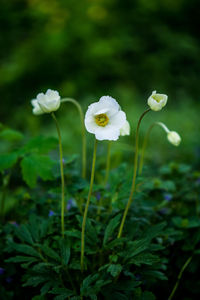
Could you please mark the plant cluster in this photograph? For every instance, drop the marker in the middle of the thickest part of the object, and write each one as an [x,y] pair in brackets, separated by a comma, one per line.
[89,240]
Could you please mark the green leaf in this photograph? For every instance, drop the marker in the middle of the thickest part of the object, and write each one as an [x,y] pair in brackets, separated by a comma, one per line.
[8,160]
[65,252]
[34,281]
[35,165]
[24,234]
[50,252]
[145,258]
[148,296]
[154,231]
[62,291]
[25,249]
[11,135]
[40,144]
[18,259]
[110,228]
[115,270]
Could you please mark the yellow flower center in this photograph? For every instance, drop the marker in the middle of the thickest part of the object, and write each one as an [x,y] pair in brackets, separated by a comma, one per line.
[101,120]
[157,97]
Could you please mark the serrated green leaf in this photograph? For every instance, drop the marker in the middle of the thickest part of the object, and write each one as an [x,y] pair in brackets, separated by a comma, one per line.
[62,291]
[148,296]
[144,258]
[115,270]
[65,252]
[18,259]
[34,281]
[46,287]
[110,228]
[8,160]
[26,249]
[34,166]
[50,253]
[24,234]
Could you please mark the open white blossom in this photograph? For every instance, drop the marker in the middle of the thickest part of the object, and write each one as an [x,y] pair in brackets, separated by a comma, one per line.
[105,119]
[157,101]
[174,138]
[48,102]
[125,130]
[36,108]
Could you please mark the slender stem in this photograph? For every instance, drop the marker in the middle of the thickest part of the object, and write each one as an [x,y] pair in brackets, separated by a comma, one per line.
[179,277]
[134,174]
[108,162]
[87,205]
[62,175]
[6,180]
[144,145]
[78,106]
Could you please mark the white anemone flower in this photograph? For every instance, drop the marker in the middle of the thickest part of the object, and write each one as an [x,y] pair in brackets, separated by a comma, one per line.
[36,108]
[48,102]
[125,130]
[105,119]
[174,138]
[157,101]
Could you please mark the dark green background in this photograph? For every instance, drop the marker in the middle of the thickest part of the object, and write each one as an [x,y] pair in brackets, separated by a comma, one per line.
[89,48]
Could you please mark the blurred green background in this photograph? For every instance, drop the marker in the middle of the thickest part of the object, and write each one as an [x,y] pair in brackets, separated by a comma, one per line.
[89,48]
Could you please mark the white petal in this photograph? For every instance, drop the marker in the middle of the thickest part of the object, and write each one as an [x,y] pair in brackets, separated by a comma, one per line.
[125,130]
[118,120]
[52,95]
[106,133]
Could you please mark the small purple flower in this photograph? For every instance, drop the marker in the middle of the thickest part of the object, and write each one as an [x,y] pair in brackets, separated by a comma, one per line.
[2,270]
[138,277]
[69,204]
[98,196]
[51,213]
[63,161]
[9,279]
[168,197]
[14,223]
[198,181]
[164,211]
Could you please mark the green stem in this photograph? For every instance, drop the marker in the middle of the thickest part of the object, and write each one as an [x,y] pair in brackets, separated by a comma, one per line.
[87,205]
[108,162]
[83,132]
[6,181]
[179,277]
[134,174]
[62,175]
[144,145]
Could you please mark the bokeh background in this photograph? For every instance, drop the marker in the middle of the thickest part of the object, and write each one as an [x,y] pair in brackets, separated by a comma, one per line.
[89,48]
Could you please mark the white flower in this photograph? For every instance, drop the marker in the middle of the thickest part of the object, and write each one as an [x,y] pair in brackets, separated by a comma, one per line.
[36,108]
[48,102]
[125,130]
[157,101]
[105,119]
[174,138]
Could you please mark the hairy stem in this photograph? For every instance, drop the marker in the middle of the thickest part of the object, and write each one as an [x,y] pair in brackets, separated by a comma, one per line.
[62,175]
[179,277]
[78,106]
[134,175]
[87,205]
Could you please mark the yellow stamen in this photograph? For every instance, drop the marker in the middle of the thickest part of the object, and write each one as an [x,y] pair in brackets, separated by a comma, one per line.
[101,120]
[158,98]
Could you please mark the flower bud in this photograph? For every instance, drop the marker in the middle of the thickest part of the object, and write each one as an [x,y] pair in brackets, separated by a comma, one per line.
[157,101]
[125,130]
[49,102]
[174,138]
